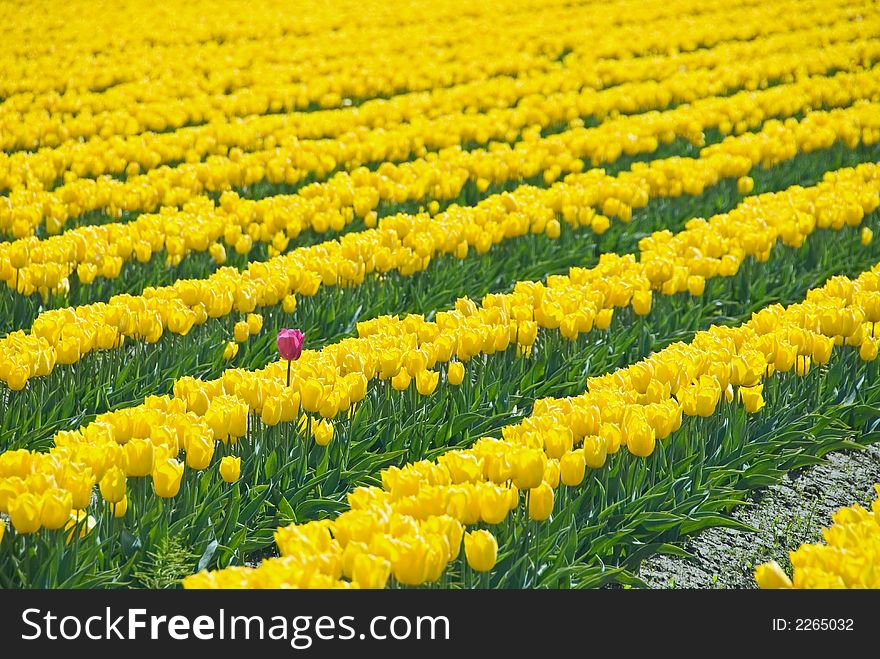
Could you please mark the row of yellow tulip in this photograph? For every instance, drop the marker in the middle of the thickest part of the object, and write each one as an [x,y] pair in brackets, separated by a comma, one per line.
[412,527]
[405,243]
[442,175]
[136,153]
[849,557]
[147,439]
[176,88]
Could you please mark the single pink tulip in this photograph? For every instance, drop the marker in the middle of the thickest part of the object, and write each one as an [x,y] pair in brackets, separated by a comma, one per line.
[290,346]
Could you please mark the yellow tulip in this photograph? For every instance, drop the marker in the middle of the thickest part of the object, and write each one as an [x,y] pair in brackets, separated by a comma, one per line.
[112,485]
[370,571]
[120,508]
[322,432]
[138,457]
[455,373]
[572,467]
[167,476]
[402,380]
[199,452]
[24,513]
[745,184]
[311,395]
[595,452]
[771,575]
[752,398]
[641,302]
[230,468]
[541,502]
[230,350]
[480,550]
[494,504]
[529,468]
[868,349]
[639,436]
[426,382]
[56,507]
[254,323]
[551,473]
[410,563]
[866,236]
[241,331]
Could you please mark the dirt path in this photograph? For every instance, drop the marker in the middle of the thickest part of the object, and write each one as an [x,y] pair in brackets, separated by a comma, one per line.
[785,515]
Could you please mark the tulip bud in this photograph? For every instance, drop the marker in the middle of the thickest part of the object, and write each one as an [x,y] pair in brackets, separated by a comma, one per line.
[541,502]
[551,473]
[230,350]
[866,236]
[529,468]
[230,468]
[113,485]
[641,302]
[745,184]
[595,452]
[480,550]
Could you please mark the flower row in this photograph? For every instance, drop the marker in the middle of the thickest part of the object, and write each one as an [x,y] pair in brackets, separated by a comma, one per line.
[849,557]
[442,175]
[412,526]
[133,154]
[406,243]
[160,88]
[147,439]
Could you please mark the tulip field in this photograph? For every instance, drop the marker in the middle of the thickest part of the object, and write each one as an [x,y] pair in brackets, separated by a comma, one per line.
[430,294]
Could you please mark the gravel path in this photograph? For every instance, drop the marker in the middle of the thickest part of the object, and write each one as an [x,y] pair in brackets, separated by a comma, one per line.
[785,515]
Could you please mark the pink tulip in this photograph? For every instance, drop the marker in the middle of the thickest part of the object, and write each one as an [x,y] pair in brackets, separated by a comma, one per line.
[290,344]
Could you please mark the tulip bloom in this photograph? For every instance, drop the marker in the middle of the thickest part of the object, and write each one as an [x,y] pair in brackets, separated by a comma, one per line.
[230,468]
[119,509]
[323,433]
[166,478]
[481,550]
[370,571]
[572,467]
[290,345]
[541,502]
[771,575]
[56,508]
[455,373]
[24,512]
[113,485]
